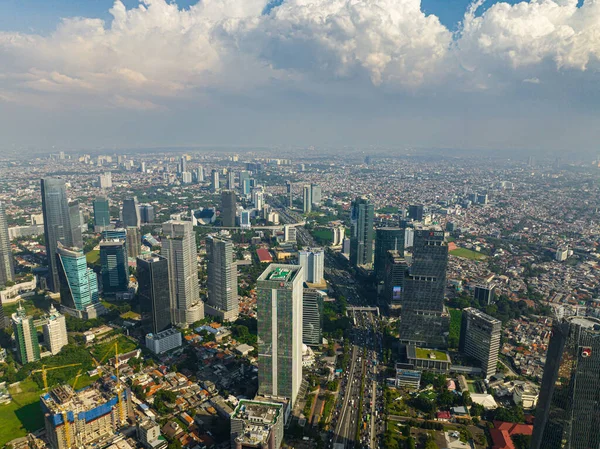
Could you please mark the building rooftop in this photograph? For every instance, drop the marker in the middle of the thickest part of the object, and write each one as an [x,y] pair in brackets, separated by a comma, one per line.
[64,397]
[428,354]
[163,334]
[258,419]
[484,316]
[280,272]
[589,323]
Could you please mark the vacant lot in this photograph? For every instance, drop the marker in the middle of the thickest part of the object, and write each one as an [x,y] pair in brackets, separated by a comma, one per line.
[23,414]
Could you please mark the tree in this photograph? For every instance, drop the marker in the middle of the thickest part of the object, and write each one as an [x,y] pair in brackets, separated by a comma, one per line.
[467,401]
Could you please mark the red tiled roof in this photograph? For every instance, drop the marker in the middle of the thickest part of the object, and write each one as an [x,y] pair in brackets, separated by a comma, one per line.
[502,432]
[264,255]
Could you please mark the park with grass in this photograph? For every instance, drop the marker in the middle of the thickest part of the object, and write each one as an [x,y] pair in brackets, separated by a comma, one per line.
[24,414]
[467,254]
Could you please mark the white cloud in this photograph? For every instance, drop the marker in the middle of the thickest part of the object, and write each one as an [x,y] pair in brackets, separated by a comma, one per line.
[532,80]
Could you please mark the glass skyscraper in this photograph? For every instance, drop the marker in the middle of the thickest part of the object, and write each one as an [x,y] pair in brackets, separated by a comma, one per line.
[7,270]
[115,271]
[423,318]
[131,213]
[222,279]
[154,292]
[57,224]
[101,212]
[279,315]
[26,339]
[361,240]
[78,283]
[228,208]
[312,317]
[568,414]
[386,239]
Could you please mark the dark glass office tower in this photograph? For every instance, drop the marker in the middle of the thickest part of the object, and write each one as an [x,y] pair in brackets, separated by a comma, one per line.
[115,272]
[361,240]
[147,213]
[228,208]
[75,224]
[131,213]
[416,212]
[222,279]
[568,410]
[7,268]
[57,227]
[153,292]
[101,212]
[288,186]
[395,271]
[386,239]
[423,317]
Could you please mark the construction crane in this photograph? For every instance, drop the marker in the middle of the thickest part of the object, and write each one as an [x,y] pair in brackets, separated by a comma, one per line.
[45,370]
[119,386]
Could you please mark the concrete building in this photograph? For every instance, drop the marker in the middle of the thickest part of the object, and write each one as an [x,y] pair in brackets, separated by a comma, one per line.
[148,432]
[133,241]
[222,279]
[567,411]
[179,248]
[428,359]
[228,208]
[7,268]
[338,235]
[407,378]
[526,395]
[199,174]
[306,199]
[131,213]
[163,341]
[424,319]
[214,182]
[485,293]
[312,317]
[93,414]
[562,254]
[289,233]
[105,180]
[480,339]
[361,241]
[245,221]
[114,269]
[186,177]
[313,262]
[290,198]
[55,331]
[154,292]
[26,340]
[315,195]
[257,425]
[279,313]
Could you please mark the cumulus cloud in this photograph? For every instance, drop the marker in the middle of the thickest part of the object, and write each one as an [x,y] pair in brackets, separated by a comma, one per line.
[156,51]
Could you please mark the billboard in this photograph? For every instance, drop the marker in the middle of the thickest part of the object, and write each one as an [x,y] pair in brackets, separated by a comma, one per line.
[396,293]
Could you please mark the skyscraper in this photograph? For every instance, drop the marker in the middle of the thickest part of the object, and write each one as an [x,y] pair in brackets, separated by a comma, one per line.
[78,283]
[179,248]
[394,274]
[567,415]
[7,270]
[55,331]
[154,292]
[147,213]
[480,339]
[131,213]
[386,239]
[228,208]
[222,279]
[315,194]
[183,164]
[484,293]
[28,347]
[424,319]
[75,224]
[306,199]
[361,241]
[200,174]
[57,228]
[279,314]
[290,198]
[133,242]
[214,184]
[101,213]
[115,271]
[312,317]
[416,212]
[313,262]
[230,179]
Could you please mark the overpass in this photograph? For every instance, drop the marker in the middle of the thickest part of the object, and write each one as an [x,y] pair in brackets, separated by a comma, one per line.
[363,309]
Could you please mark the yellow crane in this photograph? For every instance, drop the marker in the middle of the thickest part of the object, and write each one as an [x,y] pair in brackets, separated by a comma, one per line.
[45,370]
[119,386]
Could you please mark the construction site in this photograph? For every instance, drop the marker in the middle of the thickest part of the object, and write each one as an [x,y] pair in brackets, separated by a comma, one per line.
[91,416]
[257,424]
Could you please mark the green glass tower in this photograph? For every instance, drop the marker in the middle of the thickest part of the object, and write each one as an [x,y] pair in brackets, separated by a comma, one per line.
[28,348]
[78,283]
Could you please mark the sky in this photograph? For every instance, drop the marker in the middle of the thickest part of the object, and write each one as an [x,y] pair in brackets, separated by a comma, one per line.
[487,75]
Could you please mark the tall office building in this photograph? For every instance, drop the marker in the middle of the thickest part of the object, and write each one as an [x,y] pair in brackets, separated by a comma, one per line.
[313,262]
[394,274]
[114,268]
[480,339]
[338,235]
[315,194]
[424,319]
[133,240]
[279,314]
[179,248]
[7,268]
[3,321]
[75,224]
[222,279]
[105,180]
[290,198]
[182,164]
[230,179]
[147,213]
[154,292]
[289,233]
[244,182]
[200,174]
[26,340]
[55,331]
[186,177]
[485,293]
[57,224]
[131,213]
[416,212]
[101,213]
[228,208]
[386,239]
[312,317]
[214,184]
[306,199]
[78,283]
[361,241]
[567,415]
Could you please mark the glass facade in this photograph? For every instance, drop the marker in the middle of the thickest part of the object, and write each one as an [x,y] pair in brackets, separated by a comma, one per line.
[312,317]
[361,242]
[154,293]
[101,212]
[115,272]
[7,270]
[386,239]
[222,275]
[78,283]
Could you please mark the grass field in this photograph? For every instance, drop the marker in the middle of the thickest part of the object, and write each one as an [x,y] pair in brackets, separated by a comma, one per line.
[467,254]
[93,257]
[125,345]
[130,315]
[323,235]
[23,414]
